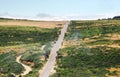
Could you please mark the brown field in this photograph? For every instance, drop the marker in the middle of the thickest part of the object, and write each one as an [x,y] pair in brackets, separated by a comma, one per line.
[41,24]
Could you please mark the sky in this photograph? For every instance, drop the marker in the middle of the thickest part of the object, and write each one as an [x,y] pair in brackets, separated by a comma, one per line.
[59,9]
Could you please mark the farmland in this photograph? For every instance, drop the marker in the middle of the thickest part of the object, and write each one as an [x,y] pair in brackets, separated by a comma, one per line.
[25,40]
[41,24]
[90,49]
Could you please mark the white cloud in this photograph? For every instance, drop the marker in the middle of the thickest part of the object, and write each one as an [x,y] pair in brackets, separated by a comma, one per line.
[48,17]
[43,15]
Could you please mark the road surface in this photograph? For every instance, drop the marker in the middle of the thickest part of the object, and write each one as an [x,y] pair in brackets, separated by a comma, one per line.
[51,61]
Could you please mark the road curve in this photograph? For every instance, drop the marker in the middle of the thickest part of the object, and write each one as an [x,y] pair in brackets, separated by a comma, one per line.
[27,68]
[51,61]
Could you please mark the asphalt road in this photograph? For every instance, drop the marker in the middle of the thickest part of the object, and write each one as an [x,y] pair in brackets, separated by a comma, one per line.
[51,61]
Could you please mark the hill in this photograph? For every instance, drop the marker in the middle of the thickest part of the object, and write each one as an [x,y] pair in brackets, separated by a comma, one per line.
[90,49]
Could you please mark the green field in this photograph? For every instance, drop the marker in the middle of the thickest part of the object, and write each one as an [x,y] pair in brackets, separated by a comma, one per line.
[26,41]
[91,49]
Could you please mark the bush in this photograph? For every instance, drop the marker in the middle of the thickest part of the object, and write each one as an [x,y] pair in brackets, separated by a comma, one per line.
[9,65]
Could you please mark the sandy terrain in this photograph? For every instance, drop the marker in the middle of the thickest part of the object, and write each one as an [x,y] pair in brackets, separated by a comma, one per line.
[42,24]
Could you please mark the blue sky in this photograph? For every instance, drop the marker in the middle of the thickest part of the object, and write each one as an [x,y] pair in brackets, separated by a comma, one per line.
[64,9]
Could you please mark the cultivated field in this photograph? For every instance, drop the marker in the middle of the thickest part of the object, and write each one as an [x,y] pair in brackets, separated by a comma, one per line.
[41,24]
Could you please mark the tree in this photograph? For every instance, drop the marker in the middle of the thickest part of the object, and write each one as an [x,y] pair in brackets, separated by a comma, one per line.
[116,17]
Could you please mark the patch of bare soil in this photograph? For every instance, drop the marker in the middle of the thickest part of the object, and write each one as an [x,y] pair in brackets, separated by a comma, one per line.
[1,51]
[70,43]
[53,69]
[41,24]
[108,36]
[17,49]
[113,36]
[117,70]
[113,46]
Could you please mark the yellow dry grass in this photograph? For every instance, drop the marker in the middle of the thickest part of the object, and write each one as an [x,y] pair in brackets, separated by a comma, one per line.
[41,24]
[113,36]
[1,51]
[113,70]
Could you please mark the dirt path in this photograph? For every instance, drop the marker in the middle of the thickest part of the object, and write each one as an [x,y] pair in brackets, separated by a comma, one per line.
[27,68]
[47,69]
[42,48]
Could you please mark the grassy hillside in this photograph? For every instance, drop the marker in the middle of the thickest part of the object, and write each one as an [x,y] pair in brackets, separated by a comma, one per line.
[26,41]
[90,49]
[11,35]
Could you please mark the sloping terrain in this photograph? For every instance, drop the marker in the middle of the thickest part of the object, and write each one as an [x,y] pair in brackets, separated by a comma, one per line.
[90,49]
[27,41]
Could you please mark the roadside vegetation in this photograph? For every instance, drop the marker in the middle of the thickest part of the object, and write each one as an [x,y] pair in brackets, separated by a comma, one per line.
[8,64]
[26,41]
[90,49]
[11,35]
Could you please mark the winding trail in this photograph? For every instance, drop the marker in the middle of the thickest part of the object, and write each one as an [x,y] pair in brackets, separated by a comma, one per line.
[42,48]
[46,71]
[27,68]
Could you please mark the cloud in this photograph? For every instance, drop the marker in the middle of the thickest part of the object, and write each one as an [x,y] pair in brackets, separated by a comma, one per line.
[8,15]
[43,15]
[48,17]
[92,17]
[5,15]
